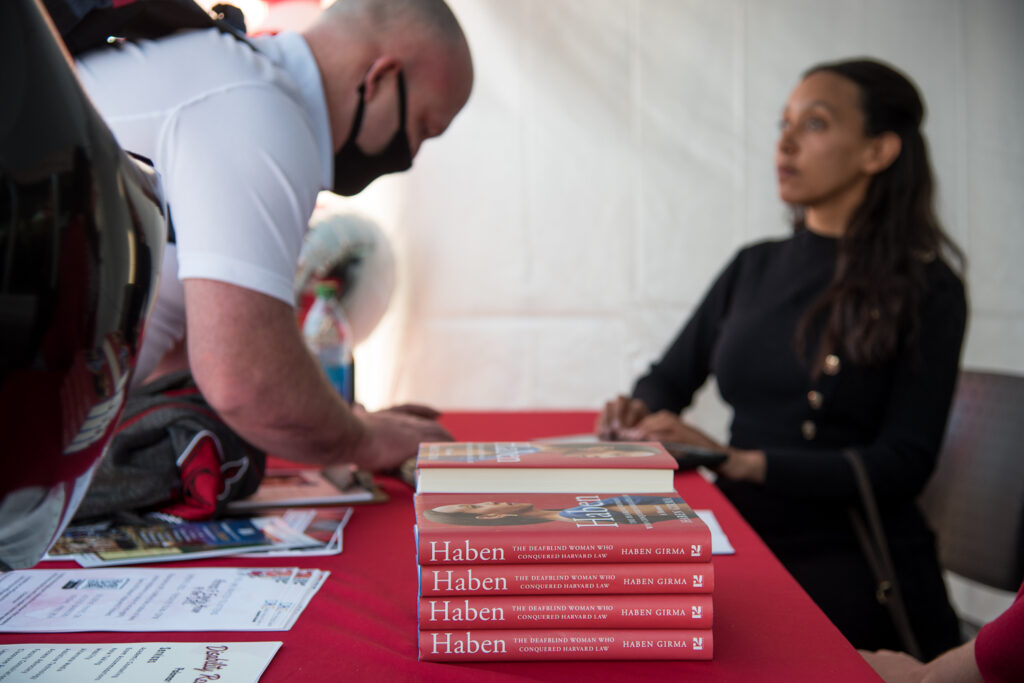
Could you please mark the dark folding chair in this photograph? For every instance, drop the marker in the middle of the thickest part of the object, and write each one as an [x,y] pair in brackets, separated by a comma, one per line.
[975,499]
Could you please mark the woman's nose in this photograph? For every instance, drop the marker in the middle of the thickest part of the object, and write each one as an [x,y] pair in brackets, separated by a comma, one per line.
[786,143]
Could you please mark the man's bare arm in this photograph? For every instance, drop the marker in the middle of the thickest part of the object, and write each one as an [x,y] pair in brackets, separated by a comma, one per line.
[249,360]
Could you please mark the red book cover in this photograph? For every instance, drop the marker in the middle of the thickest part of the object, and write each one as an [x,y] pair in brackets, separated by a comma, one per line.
[544,467]
[566,611]
[541,579]
[524,645]
[524,528]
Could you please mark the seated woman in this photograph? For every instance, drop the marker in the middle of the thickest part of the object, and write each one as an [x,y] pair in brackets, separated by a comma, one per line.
[845,335]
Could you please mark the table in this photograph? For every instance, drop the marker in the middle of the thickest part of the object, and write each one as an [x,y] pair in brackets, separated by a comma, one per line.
[361,626]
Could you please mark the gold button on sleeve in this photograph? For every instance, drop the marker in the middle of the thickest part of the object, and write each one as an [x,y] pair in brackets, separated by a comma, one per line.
[815,399]
[831,364]
[809,429]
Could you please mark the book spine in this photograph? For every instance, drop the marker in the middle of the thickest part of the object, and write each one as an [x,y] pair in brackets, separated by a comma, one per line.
[658,611]
[541,579]
[525,645]
[458,546]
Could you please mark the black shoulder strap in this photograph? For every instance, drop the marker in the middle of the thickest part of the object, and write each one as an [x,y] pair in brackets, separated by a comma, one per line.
[88,24]
[875,546]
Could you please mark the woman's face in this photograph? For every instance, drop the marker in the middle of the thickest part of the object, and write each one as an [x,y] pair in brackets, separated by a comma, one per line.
[822,151]
[487,508]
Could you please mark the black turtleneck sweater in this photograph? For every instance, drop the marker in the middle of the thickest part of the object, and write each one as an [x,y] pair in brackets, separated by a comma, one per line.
[894,414]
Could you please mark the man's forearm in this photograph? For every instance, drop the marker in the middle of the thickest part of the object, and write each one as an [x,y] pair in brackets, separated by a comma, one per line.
[298,417]
[251,364]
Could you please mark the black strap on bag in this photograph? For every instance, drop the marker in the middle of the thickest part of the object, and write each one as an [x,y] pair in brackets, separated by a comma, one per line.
[89,24]
[875,546]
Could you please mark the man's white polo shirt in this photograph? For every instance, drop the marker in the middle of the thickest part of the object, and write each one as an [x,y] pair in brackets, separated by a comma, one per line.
[242,142]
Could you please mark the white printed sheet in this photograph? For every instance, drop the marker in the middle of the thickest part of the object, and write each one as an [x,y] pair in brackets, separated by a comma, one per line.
[155,599]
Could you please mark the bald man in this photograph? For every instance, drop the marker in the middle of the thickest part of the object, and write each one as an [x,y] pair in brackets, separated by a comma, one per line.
[244,139]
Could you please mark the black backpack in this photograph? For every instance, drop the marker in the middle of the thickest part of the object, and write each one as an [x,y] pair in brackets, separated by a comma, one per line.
[89,24]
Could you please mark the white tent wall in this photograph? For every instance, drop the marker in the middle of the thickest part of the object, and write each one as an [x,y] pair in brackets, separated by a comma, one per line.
[614,155]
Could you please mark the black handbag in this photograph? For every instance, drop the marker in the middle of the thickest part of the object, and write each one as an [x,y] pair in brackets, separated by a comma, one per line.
[875,546]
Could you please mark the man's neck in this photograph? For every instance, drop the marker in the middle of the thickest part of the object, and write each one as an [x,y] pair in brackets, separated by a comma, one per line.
[340,76]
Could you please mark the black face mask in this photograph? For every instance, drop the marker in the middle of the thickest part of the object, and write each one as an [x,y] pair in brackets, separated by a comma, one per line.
[354,169]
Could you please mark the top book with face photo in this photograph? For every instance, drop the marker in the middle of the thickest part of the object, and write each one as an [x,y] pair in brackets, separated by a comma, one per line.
[467,467]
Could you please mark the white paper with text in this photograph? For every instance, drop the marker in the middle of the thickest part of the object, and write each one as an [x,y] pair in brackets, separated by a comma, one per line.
[155,599]
[174,662]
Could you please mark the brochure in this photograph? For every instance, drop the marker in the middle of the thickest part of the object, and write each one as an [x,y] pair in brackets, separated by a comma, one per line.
[300,487]
[324,525]
[155,599]
[720,544]
[76,662]
[105,545]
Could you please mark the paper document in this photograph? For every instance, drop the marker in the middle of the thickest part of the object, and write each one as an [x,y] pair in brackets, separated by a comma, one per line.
[720,544]
[107,545]
[325,525]
[77,662]
[140,599]
[292,487]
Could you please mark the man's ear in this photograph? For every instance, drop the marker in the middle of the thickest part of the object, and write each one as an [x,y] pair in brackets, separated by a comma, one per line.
[882,151]
[380,68]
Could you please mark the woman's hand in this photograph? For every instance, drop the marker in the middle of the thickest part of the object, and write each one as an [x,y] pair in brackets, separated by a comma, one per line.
[666,426]
[620,413]
[744,466]
[741,465]
[637,425]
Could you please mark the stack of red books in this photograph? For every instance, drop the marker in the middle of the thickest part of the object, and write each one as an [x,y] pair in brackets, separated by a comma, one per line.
[531,551]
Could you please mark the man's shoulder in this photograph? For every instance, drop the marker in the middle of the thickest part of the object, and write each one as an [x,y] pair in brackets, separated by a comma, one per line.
[192,62]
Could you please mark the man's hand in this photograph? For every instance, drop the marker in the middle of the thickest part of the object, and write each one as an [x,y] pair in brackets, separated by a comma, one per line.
[394,434]
[620,413]
[416,410]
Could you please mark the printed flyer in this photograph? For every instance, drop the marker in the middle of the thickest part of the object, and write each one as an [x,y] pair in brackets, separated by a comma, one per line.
[76,662]
[155,599]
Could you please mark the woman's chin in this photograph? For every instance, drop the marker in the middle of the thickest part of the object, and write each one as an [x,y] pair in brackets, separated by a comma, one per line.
[789,195]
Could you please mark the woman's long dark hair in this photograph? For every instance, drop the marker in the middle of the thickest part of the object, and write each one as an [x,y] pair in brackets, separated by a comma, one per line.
[873,300]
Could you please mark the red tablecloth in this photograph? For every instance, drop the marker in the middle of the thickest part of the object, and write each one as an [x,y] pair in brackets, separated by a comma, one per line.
[361,626]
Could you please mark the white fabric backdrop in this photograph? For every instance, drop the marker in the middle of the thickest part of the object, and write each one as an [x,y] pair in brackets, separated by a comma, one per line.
[615,153]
